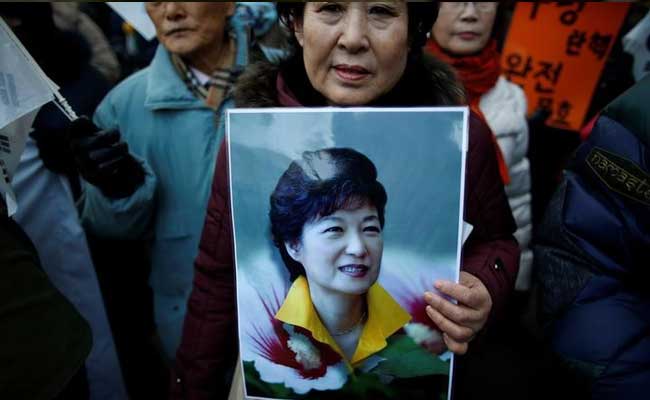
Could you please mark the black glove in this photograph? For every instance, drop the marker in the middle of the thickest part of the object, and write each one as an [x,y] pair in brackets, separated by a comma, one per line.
[54,151]
[103,160]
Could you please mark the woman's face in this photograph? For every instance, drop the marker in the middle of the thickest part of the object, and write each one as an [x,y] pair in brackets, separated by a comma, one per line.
[341,252]
[354,52]
[464,28]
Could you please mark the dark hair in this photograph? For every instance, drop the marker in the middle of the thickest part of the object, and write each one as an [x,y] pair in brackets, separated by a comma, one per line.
[317,185]
[421,16]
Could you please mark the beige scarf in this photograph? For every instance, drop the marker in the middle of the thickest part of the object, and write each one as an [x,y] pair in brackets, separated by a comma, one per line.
[216,89]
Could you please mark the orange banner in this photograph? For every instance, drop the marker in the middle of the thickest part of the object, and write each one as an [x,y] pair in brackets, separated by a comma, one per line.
[556,51]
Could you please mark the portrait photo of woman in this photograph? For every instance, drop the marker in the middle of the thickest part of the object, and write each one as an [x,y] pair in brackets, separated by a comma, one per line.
[330,287]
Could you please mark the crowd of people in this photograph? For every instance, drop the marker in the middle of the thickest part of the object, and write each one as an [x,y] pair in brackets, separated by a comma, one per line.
[118,268]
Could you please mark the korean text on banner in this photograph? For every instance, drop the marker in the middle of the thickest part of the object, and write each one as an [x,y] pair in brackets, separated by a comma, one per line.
[556,52]
[135,14]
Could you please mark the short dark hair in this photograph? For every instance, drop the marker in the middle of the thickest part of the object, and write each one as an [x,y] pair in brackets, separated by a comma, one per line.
[317,185]
[421,16]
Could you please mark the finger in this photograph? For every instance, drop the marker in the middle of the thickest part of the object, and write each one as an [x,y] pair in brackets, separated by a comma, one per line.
[455,331]
[110,167]
[455,347]
[105,154]
[461,293]
[99,141]
[460,314]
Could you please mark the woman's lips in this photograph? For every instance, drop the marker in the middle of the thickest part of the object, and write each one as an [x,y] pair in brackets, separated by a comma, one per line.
[467,35]
[351,73]
[355,270]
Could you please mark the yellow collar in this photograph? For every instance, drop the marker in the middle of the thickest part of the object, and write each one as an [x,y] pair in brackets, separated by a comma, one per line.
[385,316]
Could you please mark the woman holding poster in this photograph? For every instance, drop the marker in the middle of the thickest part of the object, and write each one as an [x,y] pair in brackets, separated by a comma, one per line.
[354,54]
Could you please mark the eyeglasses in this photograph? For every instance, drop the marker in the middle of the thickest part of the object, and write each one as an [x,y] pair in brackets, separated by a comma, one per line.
[457,7]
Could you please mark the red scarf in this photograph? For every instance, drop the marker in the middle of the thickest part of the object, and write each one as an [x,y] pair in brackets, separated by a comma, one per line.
[478,74]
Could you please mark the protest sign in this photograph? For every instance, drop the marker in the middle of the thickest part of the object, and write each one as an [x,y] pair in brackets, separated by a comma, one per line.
[376,198]
[556,51]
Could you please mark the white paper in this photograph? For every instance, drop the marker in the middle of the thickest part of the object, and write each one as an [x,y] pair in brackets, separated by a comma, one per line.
[467,230]
[135,14]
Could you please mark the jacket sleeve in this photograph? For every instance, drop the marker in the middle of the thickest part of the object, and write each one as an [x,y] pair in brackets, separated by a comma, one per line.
[491,253]
[208,346]
[126,218]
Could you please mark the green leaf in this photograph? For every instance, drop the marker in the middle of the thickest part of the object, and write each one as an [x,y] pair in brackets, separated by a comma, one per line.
[406,359]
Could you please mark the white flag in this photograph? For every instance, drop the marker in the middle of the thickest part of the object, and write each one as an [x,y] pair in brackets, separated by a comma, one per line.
[12,143]
[134,13]
[23,85]
[24,88]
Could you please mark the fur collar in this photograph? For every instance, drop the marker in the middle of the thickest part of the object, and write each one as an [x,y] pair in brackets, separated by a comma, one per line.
[256,88]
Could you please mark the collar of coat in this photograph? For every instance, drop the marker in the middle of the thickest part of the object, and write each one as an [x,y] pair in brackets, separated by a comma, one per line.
[165,88]
[257,86]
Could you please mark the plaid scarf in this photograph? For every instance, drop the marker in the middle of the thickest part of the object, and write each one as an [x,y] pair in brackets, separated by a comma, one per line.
[222,79]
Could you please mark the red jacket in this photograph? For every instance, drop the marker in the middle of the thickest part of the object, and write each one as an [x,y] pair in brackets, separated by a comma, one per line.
[209,342]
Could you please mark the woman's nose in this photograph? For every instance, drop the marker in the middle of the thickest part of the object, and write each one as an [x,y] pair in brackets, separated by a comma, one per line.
[354,34]
[469,11]
[356,246]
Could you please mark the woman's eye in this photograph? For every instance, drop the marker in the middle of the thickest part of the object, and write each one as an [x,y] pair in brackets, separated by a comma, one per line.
[330,8]
[372,229]
[333,229]
[382,11]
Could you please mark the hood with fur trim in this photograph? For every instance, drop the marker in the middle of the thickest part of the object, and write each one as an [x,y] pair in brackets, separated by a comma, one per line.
[257,87]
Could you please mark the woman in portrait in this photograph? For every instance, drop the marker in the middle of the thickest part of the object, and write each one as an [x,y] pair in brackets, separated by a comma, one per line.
[327,219]
[354,54]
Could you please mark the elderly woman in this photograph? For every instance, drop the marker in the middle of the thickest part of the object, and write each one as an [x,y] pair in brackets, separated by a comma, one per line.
[464,36]
[355,54]
[169,114]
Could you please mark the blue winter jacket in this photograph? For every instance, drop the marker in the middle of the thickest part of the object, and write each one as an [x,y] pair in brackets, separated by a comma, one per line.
[176,137]
[592,254]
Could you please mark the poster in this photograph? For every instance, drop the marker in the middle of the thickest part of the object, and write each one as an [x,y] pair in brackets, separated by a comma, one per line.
[557,50]
[342,219]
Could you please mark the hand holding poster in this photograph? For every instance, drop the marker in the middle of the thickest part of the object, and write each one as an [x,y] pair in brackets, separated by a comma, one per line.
[556,51]
[338,233]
